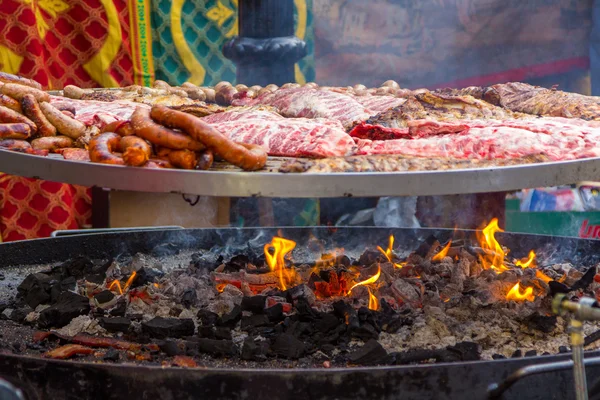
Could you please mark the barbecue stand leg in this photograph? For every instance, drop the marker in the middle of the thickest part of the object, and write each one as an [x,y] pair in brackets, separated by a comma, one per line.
[266,50]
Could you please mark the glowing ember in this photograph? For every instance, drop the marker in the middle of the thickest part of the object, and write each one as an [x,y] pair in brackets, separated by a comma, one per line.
[494,257]
[116,284]
[372,279]
[515,294]
[388,253]
[439,256]
[373,302]
[529,261]
[220,287]
[276,261]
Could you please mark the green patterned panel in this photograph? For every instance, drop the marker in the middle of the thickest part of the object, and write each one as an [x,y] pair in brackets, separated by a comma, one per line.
[189,47]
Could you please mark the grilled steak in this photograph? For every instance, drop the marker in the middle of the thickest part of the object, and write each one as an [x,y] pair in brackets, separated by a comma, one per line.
[535,100]
[395,164]
[308,102]
[291,137]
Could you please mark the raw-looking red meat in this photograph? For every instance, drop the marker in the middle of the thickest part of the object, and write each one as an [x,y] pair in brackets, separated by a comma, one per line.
[413,129]
[307,102]
[291,137]
[98,113]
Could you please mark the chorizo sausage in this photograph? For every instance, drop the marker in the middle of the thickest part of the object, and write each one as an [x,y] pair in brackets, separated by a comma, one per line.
[10,78]
[74,92]
[144,127]
[17,92]
[15,131]
[31,109]
[248,157]
[11,103]
[64,125]
[102,147]
[205,160]
[136,151]
[15,144]
[9,116]
[123,128]
[184,159]
[52,143]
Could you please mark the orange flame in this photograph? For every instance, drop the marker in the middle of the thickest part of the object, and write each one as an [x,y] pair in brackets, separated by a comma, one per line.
[494,258]
[373,302]
[541,276]
[515,294]
[122,289]
[220,287]
[372,279]
[527,263]
[388,253]
[276,261]
[443,253]
[117,284]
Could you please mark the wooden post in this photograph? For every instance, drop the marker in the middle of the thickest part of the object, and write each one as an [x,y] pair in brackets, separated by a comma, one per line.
[266,50]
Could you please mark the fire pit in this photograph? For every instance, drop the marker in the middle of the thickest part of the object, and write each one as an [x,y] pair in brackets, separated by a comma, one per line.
[352,313]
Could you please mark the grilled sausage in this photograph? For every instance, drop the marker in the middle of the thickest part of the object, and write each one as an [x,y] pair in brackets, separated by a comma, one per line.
[15,144]
[136,151]
[248,157]
[64,125]
[11,103]
[17,92]
[210,95]
[205,160]
[15,131]
[31,108]
[123,128]
[102,147]
[10,78]
[73,92]
[9,116]
[144,127]
[52,143]
[184,159]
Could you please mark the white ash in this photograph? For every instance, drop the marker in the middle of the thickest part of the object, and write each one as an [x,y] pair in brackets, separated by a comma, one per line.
[82,324]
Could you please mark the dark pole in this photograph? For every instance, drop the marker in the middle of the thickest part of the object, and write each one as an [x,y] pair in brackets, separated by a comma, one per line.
[266,50]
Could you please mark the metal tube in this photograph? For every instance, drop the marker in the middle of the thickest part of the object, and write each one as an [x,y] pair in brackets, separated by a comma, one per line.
[576,332]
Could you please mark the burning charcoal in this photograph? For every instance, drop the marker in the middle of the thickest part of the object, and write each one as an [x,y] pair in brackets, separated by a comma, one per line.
[161,328]
[119,310]
[406,292]
[563,349]
[171,348]
[216,347]
[105,296]
[372,353]
[77,267]
[66,284]
[207,332]
[370,257]
[254,321]
[425,247]
[585,280]
[287,346]
[231,319]
[557,287]
[304,311]
[466,351]
[346,312]
[68,306]
[367,316]
[188,298]
[498,357]
[35,289]
[222,333]
[205,262]
[237,263]
[254,304]
[19,314]
[531,353]
[118,324]
[254,350]
[589,339]
[541,323]
[146,275]
[301,291]
[208,318]
[517,354]
[326,323]
[364,332]
[394,324]
[275,313]
[111,355]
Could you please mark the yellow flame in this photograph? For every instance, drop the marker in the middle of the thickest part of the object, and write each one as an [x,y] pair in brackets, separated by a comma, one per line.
[130,280]
[372,279]
[487,240]
[515,294]
[528,263]
[117,284]
[540,275]
[373,302]
[276,261]
[443,253]
[388,253]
